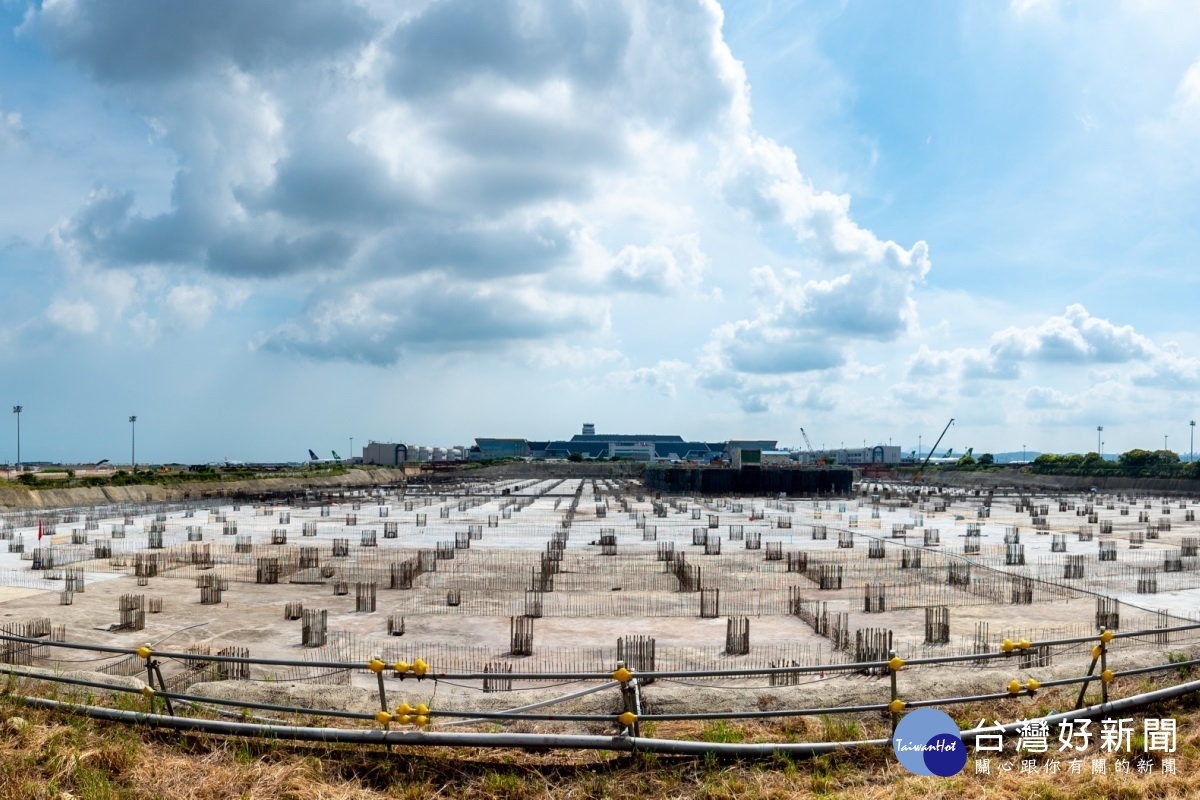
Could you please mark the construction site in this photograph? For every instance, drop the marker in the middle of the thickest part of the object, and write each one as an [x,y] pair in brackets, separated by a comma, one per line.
[499,582]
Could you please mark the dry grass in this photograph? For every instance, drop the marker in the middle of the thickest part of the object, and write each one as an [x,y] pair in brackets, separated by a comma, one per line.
[62,756]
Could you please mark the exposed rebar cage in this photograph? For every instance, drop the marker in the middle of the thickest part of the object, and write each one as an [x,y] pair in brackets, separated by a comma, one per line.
[737,636]
[937,625]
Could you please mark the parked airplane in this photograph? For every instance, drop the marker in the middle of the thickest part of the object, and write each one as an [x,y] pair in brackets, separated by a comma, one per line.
[314,459]
[949,457]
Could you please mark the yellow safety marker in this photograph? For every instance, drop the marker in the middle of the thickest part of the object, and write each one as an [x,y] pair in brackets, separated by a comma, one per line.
[144,651]
[1106,636]
[147,691]
[383,717]
[401,667]
[422,709]
[376,665]
[1007,645]
[419,667]
[1014,686]
[896,706]
[404,709]
[1032,685]
[1024,644]
[622,675]
[1096,651]
[896,664]
[628,718]
[1107,676]
[404,719]
[422,721]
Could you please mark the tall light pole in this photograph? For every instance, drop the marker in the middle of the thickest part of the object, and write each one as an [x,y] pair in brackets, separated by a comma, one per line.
[1099,444]
[351,448]
[1164,441]
[17,410]
[1023,456]
[133,442]
[1192,442]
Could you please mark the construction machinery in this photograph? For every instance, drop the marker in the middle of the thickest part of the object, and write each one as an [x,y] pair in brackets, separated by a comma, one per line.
[932,450]
[812,454]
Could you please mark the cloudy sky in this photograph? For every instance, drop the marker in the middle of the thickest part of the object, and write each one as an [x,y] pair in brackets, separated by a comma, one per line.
[269,226]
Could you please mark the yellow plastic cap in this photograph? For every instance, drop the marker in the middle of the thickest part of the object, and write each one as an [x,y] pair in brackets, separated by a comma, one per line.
[404,719]
[422,720]
[627,719]
[422,709]
[1032,685]
[1007,645]
[1106,636]
[147,691]
[622,675]
[376,665]
[1096,651]
[1024,644]
[896,664]
[404,708]
[1107,676]
[1014,686]
[419,667]
[401,667]
[896,706]
[383,717]
[144,651]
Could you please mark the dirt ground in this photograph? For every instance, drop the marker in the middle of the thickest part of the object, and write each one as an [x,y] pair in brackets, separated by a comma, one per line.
[517,528]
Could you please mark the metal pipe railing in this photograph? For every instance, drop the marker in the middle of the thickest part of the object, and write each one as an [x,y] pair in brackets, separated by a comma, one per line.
[565,741]
[717,673]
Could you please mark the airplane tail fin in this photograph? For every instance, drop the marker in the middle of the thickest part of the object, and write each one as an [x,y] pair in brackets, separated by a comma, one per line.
[312,456]
[336,457]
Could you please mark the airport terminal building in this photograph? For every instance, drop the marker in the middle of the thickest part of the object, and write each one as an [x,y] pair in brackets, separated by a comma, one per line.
[627,446]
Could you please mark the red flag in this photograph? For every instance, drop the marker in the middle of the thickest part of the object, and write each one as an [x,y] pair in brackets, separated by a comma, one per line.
[39,530]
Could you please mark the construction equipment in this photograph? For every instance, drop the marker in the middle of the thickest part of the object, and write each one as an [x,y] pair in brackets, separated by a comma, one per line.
[812,454]
[917,477]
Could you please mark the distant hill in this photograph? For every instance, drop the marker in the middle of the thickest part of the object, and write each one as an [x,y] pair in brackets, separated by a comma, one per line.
[1001,458]
[1017,455]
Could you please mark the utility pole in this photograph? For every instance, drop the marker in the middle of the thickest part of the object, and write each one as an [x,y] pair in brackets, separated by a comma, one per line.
[1099,444]
[1192,442]
[133,443]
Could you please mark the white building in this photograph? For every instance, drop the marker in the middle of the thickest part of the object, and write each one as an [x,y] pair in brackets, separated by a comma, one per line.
[879,454]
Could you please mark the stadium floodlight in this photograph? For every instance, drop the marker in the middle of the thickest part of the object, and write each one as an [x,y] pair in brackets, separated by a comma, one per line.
[17,410]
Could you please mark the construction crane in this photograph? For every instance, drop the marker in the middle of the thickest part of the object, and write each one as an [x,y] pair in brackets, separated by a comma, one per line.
[812,454]
[917,477]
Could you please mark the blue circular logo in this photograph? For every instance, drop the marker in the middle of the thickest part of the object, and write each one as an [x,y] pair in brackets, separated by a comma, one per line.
[927,742]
